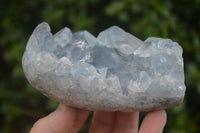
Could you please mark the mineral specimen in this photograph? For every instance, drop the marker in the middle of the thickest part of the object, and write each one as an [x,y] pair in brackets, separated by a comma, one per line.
[113,72]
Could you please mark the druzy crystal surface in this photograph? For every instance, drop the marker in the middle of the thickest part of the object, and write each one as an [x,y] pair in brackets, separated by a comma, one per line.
[112,72]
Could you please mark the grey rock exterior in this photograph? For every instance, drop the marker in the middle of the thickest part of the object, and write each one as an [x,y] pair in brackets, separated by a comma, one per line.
[113,72]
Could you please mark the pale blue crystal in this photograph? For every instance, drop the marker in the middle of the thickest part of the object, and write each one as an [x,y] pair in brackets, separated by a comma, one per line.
[114,72]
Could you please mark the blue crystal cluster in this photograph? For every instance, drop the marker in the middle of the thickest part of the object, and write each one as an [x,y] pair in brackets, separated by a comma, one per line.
[112,72]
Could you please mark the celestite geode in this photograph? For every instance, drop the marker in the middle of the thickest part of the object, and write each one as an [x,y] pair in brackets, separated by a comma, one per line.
[113,72]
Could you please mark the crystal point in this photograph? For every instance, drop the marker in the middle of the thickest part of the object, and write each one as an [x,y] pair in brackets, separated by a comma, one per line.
[117,38]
